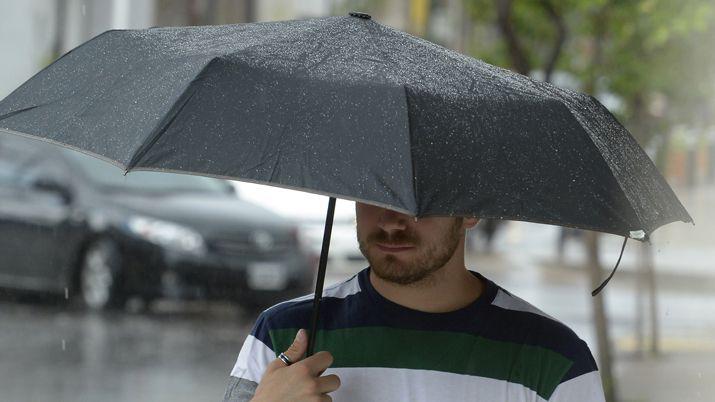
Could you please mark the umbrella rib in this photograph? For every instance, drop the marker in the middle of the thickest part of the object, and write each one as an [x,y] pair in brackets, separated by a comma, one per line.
[13,113]
[163,126]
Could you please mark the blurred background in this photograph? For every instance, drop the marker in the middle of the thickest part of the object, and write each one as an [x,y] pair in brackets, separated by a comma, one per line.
[119,288]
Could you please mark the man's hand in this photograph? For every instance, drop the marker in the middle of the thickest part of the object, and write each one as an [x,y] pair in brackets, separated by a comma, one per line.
[301,381]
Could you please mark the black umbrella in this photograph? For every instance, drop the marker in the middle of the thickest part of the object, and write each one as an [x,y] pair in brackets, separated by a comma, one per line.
[349,108]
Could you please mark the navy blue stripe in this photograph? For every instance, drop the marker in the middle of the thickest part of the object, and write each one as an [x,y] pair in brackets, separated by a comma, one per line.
[261,328]
[545,332]
[582,363]
[368,308]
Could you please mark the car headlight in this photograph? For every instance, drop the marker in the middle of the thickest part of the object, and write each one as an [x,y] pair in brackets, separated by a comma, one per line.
[167,234]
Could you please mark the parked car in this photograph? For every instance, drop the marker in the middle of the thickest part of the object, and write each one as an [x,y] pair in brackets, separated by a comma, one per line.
[70,223]
[309,211]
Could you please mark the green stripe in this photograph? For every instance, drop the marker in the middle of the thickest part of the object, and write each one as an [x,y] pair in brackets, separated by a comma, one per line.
[537,368]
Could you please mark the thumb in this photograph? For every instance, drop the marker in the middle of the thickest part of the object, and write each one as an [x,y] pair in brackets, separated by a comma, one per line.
[297,349]
[295,352]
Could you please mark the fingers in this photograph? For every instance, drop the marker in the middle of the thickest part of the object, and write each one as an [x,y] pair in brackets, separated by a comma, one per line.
[301,380]
[328,383]
[317,363]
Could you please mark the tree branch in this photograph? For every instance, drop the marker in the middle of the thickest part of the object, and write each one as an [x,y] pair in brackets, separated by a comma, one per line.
[517,54]
[558,21]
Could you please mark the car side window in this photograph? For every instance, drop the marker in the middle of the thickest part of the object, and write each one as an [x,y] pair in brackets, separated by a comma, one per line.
[41,168]
[23,163]
[13,161]
[6,173]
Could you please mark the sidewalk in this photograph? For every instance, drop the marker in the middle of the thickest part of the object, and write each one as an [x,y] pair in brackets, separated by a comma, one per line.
[682,377]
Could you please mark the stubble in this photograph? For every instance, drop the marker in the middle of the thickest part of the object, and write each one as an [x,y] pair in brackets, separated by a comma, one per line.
[427,260]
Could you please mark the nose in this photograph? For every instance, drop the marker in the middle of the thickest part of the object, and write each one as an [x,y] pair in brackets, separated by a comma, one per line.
[391,221]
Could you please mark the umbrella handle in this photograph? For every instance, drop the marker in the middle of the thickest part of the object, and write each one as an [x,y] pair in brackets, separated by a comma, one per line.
[603,285]
[321,276]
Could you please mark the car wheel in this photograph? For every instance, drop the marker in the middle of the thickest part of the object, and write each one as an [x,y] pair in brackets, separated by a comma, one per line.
[99,277]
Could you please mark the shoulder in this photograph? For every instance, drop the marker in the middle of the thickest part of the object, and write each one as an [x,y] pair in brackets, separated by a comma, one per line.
[294,314]
[523,323]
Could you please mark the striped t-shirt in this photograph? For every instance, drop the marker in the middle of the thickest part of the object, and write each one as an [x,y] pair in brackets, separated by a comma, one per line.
[499,348]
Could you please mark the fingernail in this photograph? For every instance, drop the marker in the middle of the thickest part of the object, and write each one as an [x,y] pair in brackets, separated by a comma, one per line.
[300,336]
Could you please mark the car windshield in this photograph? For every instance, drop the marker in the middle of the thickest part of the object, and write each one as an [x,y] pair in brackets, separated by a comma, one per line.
[107,175]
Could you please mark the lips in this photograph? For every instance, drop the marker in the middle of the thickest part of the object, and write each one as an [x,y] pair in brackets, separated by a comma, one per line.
[394,248]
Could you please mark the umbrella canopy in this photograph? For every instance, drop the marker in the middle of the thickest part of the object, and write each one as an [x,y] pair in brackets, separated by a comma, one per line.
[350,108]
[346,107]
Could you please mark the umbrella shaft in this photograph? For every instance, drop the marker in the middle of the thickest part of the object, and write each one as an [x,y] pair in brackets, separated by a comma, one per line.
[321,276]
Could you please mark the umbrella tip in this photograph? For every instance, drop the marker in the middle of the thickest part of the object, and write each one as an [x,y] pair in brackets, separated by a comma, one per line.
[363,16]
[637,234]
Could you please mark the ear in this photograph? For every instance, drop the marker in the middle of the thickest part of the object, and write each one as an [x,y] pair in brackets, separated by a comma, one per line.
[470,222]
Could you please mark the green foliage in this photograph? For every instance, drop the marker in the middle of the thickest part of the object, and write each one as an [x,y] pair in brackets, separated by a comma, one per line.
[638,50]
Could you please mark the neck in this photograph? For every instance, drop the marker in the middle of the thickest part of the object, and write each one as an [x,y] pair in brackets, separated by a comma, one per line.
[447,289]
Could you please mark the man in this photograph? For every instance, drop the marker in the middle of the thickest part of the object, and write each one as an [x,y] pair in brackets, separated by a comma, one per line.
[414,326]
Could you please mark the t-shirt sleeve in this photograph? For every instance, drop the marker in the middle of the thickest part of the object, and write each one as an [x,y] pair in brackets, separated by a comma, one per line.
[582,382]
[256,353]
[585,388]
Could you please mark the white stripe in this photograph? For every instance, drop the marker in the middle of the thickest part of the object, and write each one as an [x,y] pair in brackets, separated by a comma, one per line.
[253,359]
[511,302]
[584,388]
[344,289]
[339,291]
[362,384]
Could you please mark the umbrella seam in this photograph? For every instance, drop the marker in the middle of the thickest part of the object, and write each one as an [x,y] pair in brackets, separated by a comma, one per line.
[600,153]
[586,129]
[413,174]
[371,27]
[662,183]
[174,112]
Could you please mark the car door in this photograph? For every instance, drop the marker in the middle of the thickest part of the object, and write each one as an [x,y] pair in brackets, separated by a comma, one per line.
[32,217]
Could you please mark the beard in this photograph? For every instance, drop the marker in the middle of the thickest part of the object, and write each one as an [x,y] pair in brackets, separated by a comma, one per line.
[424,260]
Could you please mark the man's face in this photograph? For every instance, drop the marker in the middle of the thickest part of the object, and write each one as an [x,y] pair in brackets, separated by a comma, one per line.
[403,251]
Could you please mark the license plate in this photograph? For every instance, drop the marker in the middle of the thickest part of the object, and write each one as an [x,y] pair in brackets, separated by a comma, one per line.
[267,276]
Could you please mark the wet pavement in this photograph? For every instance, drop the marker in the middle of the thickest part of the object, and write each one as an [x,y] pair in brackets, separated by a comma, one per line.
[180,352]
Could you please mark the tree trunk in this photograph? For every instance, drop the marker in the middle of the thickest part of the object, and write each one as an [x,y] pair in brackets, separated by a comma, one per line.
[520,63]
[639,324]
[58,46]
[193,13]
[592,244]
[650,280]
[599,318]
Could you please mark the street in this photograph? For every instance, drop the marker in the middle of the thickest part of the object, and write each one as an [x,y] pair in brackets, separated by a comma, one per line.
[181,352]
